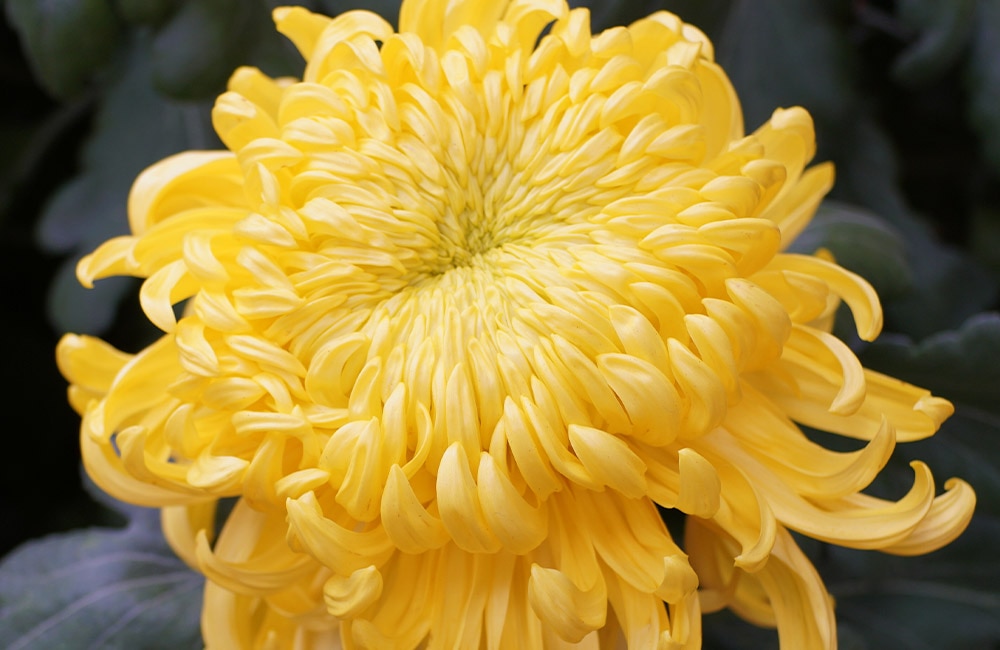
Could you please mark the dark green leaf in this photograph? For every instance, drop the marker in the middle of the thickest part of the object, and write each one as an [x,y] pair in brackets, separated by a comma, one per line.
[66,41]
[948,286]
[782,53]
[134,128]
[204,41]
[388,9]
[983,76]
[271,51]
[100,589]
[960,365]
[985,239]
[612,13]
[707,15]
[861,242]
[942,31]
[948,599]
[146,12]
[726,631]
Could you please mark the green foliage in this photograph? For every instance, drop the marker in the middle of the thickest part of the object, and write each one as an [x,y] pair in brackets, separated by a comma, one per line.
[783,53]
[942,30]
[134,126]
[145,12]
[198,48]
[960,365]
[114,589]
[946,600]
[983,76]
[860,242]
[68,41]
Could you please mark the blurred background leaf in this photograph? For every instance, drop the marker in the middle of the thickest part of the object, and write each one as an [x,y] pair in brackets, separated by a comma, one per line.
[114,589]
[983,79]
[938,32]
[861,242]
[133,126]
[67,42]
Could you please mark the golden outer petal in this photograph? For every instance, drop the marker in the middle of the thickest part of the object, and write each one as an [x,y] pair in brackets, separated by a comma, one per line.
[181,525]
[351,596]
[401,616]
[786,593]
[803,610]
[226,619]
[684,480]
[745,515]
[809,469]
[183,181]
[105,468]
[301,26]
[89,362]
[635,551]
[914,412]
[565,608]
[262,568]
[113,257]
[946,519]
[823,352]
[136,389]
[435,21]
[866,524]
[342,549]
[855,290]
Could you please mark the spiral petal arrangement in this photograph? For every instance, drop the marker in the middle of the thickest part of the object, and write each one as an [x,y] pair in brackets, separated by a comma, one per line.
[458,314]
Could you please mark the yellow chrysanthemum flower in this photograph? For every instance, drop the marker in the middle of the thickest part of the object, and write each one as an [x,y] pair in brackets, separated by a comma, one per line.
[461,309]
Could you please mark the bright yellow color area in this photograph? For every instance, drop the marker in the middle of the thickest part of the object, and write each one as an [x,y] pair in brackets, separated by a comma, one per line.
[461,308]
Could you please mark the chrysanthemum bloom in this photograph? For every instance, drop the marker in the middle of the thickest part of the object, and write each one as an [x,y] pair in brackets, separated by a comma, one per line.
[460,309]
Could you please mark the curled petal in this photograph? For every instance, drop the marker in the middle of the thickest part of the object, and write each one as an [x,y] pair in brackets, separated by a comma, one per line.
[855,291]
[185,179]
[348,597]
[810,469]
[105,468]
[458,500]
[518,525]
[266,567]
[113,257]
[687,481]
[946,519]
[825,353]
[342,549]
[410,526]
[89,362]
[561,605]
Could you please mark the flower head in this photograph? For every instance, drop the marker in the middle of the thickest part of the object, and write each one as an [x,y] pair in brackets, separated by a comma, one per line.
[461,309]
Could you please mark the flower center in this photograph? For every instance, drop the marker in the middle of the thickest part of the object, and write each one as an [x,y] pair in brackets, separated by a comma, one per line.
[467,236]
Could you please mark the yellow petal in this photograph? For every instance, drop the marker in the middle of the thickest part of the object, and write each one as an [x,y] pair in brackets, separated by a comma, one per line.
[609,460]
[518,525]
[571,612]
[345,550]
[407,522]
[89,362]
[347,597]
[458,500]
